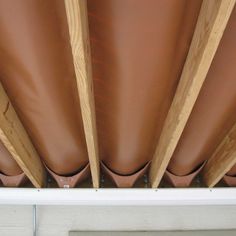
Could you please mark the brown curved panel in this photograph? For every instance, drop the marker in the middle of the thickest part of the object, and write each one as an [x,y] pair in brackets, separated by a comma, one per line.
[232,172]
[138,51]
[8,165]
[36,69]
[214,112]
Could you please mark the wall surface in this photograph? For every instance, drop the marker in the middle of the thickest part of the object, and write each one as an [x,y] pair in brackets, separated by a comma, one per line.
[59,220]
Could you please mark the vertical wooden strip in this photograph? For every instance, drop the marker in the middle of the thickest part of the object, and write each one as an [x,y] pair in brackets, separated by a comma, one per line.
[223,159]
[212,20]
[16,140]
[77,18]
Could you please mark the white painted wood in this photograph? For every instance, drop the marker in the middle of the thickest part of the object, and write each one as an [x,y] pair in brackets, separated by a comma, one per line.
[119,197]
[62,210]
[178,233]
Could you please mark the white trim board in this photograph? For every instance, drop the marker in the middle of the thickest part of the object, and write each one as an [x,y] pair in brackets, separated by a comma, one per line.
[159,233]
[118,197]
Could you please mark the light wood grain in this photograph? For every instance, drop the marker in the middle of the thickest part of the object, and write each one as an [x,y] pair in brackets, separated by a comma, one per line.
[16,140]
[79,36]
[223,159]
[212,20]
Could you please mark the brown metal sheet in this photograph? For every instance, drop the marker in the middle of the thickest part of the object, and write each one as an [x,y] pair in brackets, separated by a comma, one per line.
[138,51]
[215,110]
[8,165]
[36,69]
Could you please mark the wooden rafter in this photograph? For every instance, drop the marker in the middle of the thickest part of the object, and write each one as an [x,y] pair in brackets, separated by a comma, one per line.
[223,159]
[16,140]
[212,20]
[76,11]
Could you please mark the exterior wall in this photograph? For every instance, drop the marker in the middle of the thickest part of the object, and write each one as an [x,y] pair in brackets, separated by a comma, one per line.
[200,210]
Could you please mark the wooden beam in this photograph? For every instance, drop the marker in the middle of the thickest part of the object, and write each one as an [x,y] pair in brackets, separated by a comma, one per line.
[212,20]
[77,18]
[16,140]
[223,159]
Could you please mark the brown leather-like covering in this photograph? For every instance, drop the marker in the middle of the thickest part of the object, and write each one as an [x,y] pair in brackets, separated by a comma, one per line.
[13,181]
[232,172]
[138,51]
[70,181]
[182,181]
[8,165]
[125,181]
[230,180]
[36,69]
[215,110]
